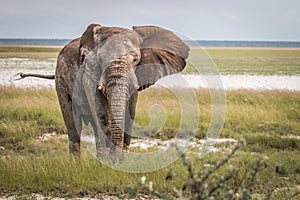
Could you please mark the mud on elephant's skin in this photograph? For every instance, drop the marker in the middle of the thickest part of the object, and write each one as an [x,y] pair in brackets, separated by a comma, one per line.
[98,77]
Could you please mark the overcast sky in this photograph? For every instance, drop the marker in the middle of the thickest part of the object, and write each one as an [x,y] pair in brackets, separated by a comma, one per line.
[197,19]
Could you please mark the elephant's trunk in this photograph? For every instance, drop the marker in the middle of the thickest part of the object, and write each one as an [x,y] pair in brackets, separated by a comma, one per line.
[117,101]
[120,82]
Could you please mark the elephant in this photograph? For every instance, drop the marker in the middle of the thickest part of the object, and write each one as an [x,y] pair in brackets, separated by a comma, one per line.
[99,75]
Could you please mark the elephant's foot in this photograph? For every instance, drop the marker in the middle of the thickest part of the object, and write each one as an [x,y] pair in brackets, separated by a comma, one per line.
[74,148]
[103,153]
[111,156]
[119,154]
[126,147]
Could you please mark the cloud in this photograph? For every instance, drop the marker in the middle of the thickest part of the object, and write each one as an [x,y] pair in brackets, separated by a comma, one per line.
[202,19]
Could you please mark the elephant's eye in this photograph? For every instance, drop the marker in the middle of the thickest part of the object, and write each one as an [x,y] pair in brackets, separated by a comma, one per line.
[134,55]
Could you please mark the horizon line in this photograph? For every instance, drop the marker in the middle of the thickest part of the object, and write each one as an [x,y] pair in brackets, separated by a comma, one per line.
[213,40]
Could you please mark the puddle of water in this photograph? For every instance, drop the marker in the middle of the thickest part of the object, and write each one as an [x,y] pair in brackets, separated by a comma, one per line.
[147,143]
[25,64]
[226,82]
[233,82]
[7,77]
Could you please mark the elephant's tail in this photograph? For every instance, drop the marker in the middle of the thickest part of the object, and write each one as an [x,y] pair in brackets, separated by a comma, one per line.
[22,75]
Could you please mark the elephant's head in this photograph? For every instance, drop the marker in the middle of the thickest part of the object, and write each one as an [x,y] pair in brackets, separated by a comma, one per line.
[128,61]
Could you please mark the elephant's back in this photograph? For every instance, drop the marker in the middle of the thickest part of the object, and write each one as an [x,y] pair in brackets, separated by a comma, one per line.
[70,53]
[67,66]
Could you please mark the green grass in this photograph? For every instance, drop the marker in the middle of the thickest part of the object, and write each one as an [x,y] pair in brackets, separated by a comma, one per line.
[268,120]
[254,61]
[64,175]
[27,113]
[33,52]
[276,113]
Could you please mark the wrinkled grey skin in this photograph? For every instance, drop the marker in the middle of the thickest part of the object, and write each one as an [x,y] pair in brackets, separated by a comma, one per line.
[98,77]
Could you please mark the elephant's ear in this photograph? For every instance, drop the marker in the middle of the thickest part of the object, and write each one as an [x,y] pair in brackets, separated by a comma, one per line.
[87,41]
[162,54]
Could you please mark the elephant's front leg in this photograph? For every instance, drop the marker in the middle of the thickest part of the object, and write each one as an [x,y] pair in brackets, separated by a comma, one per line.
[101,136]
[66,108]
[129,119]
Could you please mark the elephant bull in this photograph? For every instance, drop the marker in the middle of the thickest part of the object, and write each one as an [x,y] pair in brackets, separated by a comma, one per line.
[98,77]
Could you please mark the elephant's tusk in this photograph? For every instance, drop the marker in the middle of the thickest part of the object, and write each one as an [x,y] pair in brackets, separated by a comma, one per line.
[100,87]
[136,86]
